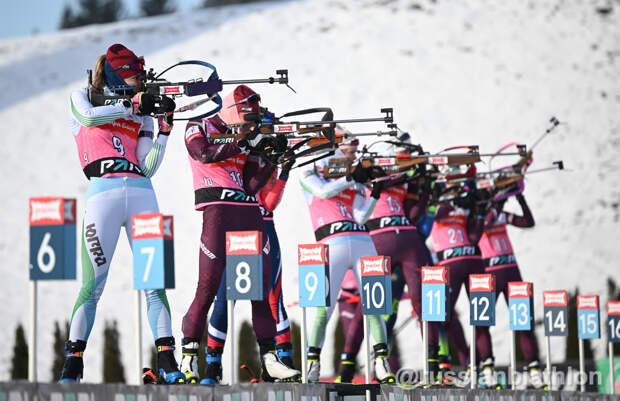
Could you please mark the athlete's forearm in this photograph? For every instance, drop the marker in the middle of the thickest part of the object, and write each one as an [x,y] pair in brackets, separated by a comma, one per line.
[271,198]
[322,188]
[90,116]
[254,176]
[527,220]
[362,208]
[155,156]
[200,149]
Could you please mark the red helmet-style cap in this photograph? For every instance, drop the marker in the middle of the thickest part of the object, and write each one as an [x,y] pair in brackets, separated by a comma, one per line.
[124,61]
[241,101]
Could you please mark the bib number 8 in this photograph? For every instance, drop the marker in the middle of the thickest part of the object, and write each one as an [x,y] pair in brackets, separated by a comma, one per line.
[243,284]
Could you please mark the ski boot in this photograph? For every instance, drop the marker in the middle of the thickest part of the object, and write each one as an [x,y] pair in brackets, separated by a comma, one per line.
[489,378]
[285,354]
[463,379]
[213,370]
[273,370]
[536,380]
[383,374]
[166,364]
[445,367]
[347,368]
[314,370]
[73,369]
[189,360]
[149,377]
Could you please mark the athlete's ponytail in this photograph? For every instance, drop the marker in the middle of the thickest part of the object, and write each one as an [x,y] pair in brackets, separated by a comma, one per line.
[99,75]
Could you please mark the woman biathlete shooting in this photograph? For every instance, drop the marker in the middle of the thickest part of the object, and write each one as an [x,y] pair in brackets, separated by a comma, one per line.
[338,209]
[118,156]
[226,177]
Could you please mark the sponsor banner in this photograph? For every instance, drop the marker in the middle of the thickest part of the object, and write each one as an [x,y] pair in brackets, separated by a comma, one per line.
[555,298]
[168,227]
[613,308]
[144,226]
[385,161]
[481,283]
[313,254]
[519,289]
[46,211]
[376,266]
[69,210]
[284,128]
[434,275]
[587,302]
[243,243]
[438,160]
[169,90]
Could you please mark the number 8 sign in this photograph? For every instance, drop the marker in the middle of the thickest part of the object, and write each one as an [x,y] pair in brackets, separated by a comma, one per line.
[313,262]
[244,265]
[376,285]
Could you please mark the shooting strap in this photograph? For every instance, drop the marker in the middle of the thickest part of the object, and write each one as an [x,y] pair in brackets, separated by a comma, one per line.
[111,165]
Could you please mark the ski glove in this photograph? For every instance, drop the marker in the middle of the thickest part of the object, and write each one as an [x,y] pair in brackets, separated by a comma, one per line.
[286,169]
[143,103]
[359,174]
[377,187]
[165,123]
[166,105]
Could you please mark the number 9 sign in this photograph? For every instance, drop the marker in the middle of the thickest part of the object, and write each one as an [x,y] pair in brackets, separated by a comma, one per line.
[520,302]
[244,265]
[588,316]
[376,285]
[313,260]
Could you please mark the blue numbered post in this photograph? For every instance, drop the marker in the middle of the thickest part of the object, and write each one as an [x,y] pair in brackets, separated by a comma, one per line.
[244,265]
[520,305]
[435,299]
[153,262]
[376,285]
[313,262]
[613,321]
[555,311]
[53,238]
[168,226]
[588,319]
[482,299]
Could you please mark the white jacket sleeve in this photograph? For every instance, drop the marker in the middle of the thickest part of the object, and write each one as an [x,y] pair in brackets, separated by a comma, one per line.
[362,208]
[90,116]
[321,187]
[150,155]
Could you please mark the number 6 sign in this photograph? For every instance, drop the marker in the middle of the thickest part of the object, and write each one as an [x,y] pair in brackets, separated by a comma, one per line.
[244,265]
[313,262]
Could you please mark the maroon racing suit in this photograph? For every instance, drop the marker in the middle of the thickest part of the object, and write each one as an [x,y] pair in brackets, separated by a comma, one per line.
[499,260]
[225,181]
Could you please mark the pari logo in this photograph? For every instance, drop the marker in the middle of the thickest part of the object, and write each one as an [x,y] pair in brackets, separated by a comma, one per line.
[555,298]
[46,211]
[243,242]
[587,302]
[375,265]
[481,283]
[434,275]
[147,226]
[311,254]
[518,289]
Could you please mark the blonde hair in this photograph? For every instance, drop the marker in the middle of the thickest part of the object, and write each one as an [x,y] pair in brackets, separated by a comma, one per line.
[99,74]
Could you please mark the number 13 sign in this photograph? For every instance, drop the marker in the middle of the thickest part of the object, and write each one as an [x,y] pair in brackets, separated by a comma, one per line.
[520,305]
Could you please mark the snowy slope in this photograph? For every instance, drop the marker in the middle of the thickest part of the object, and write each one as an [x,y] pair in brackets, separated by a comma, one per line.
[468,73]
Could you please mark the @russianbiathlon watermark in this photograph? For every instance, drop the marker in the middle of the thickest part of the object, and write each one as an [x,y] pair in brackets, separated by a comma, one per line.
[569,378]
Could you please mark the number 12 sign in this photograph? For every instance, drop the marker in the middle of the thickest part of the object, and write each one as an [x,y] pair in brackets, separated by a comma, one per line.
[520,305]
[588,316]
[482,299]
[313,260]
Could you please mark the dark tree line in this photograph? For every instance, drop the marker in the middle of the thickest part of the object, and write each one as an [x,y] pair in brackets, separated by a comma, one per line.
[103,11]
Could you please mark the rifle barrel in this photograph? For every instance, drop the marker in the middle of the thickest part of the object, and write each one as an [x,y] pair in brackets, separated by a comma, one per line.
[255,81]
[352,120]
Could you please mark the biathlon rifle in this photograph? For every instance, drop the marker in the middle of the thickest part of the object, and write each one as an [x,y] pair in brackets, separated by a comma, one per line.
[157,86]
[277,139]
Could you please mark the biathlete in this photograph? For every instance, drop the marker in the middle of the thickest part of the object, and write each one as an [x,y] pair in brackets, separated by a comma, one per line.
[338,210]
[226,177]
[118,155]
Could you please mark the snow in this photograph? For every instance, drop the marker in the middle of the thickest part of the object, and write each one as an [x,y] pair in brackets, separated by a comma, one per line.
[467,72]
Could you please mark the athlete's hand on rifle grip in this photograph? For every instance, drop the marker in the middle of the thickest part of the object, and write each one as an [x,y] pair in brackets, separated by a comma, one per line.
[165,123]
[143,103]
[166,105]
[286,168]
[377,187]
[359,174]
